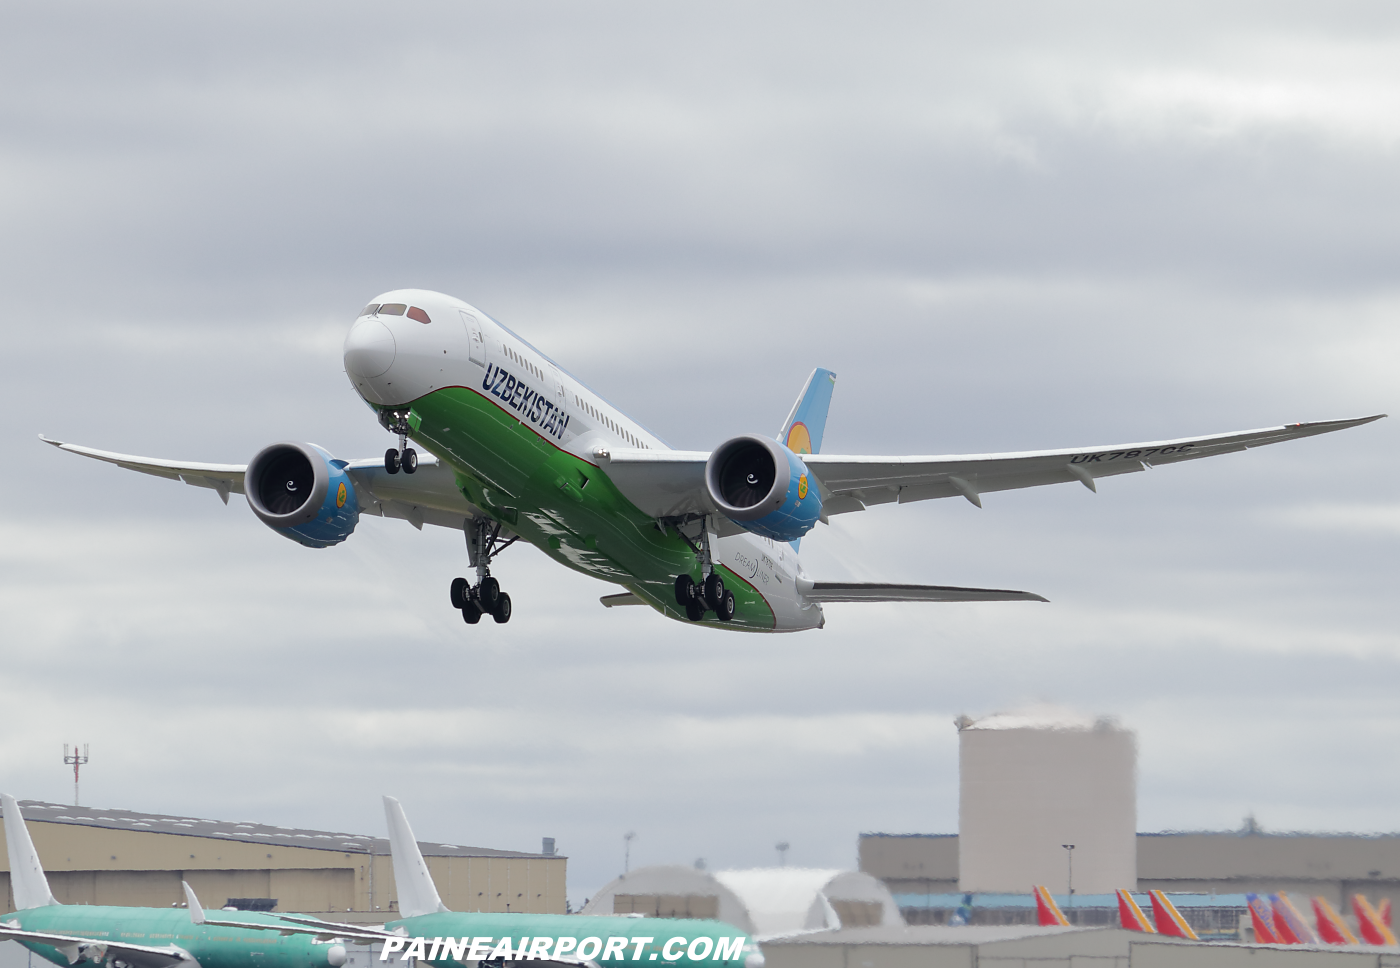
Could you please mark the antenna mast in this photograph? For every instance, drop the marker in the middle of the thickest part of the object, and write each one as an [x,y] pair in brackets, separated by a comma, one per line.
[76,761]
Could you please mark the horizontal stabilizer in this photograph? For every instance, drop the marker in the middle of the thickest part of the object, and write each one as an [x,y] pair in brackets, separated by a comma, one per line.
[626,598]
[859,591]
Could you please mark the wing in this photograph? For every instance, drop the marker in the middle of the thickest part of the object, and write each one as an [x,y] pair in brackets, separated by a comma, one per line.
[666,483]
[847,591]
[77,949]
[856,482]
[221,477]
[429,496]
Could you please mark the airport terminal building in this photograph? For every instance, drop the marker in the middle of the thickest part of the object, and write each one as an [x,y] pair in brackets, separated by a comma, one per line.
[119,857]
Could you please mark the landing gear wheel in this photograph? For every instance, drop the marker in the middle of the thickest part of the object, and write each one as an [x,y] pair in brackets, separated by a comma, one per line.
[725,612]
[391,461]
[488,593]
[460,593]
[471,614]
[409,461]
[694,611]
[714,590]
[502,612]
[685,590]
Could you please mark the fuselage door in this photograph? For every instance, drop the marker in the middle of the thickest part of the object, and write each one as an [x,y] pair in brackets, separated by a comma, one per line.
[561,396]
[476,347]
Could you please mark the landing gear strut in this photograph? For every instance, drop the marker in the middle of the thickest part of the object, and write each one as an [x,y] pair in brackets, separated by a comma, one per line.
[709,594]
[485,597]
[403,457]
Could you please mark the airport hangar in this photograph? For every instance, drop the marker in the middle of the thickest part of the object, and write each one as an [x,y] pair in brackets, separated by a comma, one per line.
[120,857]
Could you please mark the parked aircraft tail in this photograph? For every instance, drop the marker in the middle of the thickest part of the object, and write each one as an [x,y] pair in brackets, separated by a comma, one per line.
[1131,916]
[1261,915]
[1330,926]
[417,893]
[1289,918]
[1048,913]
[1168,918]
[1384,909]
[27,881]
[1369,922]
[802,431]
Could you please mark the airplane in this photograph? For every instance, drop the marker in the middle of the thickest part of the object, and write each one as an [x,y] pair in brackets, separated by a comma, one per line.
[1331,929]
[429,932]
[1266,926]
[1130,916]
[1047,912]
[518,448]
[1370,923]
[1289,923]
[137,937]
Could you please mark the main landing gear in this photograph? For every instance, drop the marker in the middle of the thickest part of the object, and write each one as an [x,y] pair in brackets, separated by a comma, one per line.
[403,457]
[708,594]
[485,597]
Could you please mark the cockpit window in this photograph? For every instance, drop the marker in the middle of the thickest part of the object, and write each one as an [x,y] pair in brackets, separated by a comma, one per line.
[415,313]
[392,309]
[370,310]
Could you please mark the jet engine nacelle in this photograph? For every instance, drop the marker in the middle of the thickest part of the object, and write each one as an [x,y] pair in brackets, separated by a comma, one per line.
[763,487]
[301,491]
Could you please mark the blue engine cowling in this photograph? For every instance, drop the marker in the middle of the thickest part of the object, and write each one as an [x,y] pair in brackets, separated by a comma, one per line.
[301,491]
[763,487]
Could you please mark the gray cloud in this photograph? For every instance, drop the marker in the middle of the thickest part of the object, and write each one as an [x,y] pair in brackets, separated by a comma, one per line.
[1006,228]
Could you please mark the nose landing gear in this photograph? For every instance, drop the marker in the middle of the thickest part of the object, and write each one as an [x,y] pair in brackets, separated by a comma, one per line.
[403,457]
[709,594]
[485,597]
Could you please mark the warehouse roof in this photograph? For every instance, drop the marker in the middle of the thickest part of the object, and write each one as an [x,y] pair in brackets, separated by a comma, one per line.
[257,833]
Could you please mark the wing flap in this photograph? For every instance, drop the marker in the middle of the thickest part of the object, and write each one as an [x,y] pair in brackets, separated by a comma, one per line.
[844,591]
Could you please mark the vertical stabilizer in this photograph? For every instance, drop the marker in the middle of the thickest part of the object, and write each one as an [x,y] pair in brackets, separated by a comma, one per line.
[803,429]
[1369,923]
[27,881]
[417,892]
[1286,915]
[1330,926]
[1130,915]
[1047,912]
[1261,914]
[1168,918]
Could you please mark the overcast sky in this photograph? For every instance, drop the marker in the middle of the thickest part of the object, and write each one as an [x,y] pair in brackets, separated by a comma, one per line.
[1006,226]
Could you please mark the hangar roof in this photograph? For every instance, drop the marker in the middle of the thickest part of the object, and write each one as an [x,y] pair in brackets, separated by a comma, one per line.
[255,833]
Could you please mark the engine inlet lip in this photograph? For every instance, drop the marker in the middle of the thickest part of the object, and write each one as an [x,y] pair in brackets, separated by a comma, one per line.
[320,482]
[770,502]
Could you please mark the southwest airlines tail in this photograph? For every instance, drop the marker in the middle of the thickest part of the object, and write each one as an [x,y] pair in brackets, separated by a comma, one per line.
[1290,921]
[1168,918]
[1266,928]
[27,881]
[1048,913]
[1131,916]
[1370,923]
[1330,926]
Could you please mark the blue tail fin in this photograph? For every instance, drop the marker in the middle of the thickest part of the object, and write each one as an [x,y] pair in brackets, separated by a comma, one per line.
[802,431]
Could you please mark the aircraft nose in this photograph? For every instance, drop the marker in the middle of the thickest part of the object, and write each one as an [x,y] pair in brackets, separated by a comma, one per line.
[369,348]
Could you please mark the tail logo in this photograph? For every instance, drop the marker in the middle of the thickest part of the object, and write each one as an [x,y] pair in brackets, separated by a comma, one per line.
[799,441]
[340,495]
